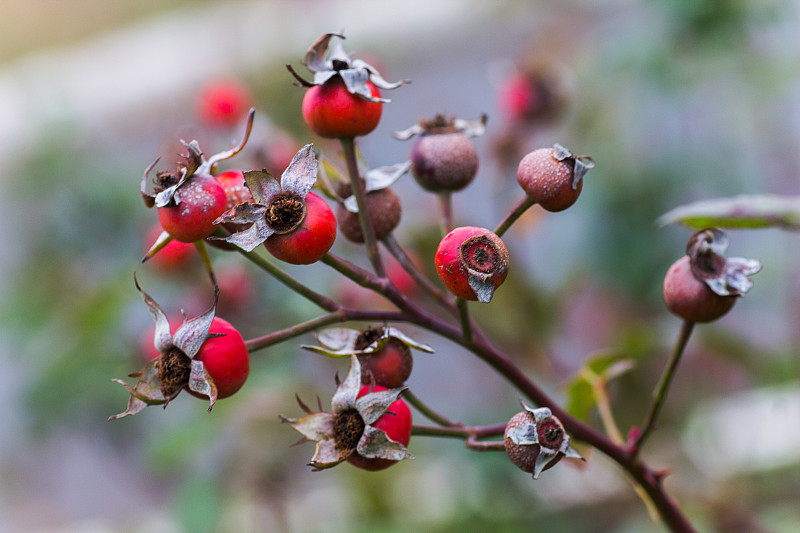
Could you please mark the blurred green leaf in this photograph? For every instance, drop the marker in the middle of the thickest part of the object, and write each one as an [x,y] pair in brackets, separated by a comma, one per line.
[738,212]
[598,370]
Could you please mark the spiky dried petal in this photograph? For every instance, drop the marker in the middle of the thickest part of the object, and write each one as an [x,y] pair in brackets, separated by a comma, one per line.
[301,174]
[147,391]
[200,381]
[374,405]
[375,444]
[345,396]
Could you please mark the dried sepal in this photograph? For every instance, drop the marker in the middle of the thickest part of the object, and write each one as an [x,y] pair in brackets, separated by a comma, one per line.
[375,444]
[582,163]
[201,382]
[725,276]
[343,342]
[444,124]
[146,392]
[327,58]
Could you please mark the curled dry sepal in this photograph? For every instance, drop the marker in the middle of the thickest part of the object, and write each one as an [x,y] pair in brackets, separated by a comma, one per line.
[326,58]
[163,378]
[348,429]
[725,276]
[377,179]
[277,207]
[535,440]
[443,124]
[344,342]
[167,185]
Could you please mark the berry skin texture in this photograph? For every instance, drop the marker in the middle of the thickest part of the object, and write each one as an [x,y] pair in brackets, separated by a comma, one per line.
[225,358]
[548,181]
[690,298]
[332,112]
[456,260]
[309,241]
[388,367]
[444,161]
[202,201]
[396,423]
[383,210]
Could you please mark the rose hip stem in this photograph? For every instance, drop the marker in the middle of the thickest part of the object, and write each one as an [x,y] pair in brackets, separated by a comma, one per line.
[359,191]
[660,392]
[446,205]
[515,213]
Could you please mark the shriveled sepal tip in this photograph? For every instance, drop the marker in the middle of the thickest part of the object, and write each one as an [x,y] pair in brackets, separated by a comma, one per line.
[725,276]
[583,163]
[443,124]
[345,342]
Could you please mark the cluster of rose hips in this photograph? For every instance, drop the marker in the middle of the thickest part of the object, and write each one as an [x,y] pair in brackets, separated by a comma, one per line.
[370,423]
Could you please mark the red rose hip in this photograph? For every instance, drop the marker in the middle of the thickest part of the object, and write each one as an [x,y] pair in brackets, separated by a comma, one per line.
[553,177]
[690,298]
[225,358]
[396,423]
[309,240]
[200,201]
[331,111]
[472,262]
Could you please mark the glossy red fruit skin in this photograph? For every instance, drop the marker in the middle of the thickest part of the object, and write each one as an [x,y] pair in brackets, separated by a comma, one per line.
[444,161]
[448,264]
[388,367]
[308,242]
[173,257]
[331,111]
[396,423]
[383,209]
[547,180]
[691,299]
[202,201]
[226,359]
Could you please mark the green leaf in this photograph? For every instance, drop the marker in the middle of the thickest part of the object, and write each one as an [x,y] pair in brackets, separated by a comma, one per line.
[738,212]
[596,371]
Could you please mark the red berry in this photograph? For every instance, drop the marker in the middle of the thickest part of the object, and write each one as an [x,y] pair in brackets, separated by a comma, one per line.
[388,367]
[333,112]
[548,177]
[225,358]
[201,200]
[383,210]
[308,241]
[444,161]
[171,258]
[223,103]
[550,435]
[470,252]
[236,192]
[396,423]
[690,298]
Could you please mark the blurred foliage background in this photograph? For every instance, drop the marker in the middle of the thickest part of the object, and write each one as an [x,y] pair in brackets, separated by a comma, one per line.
[675,100]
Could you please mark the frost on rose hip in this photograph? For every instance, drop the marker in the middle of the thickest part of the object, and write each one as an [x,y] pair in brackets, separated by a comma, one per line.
[189,200]
[368,426]
[343,100]
[472,263]
[535,440]
[704,284]
[295,225]
[443,158]
[383,351]
[189,358]
[553,177]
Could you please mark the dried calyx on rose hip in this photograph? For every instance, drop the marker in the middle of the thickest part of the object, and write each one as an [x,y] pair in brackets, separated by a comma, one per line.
[295,225]
[383,206]
[703,285]
[368,426]
[206,356]
[383,351]
[535,440]
[472,263]
[553,177]
[444,158]
[343,99]
[189,200]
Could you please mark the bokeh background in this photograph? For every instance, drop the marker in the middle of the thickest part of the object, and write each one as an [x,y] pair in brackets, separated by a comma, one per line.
[676,100]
